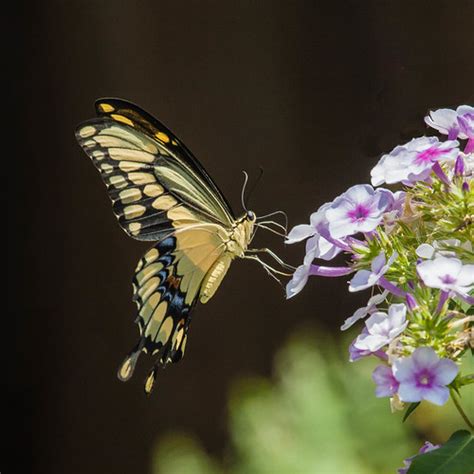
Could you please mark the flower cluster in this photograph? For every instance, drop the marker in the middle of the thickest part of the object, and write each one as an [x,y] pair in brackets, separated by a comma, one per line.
[412,248]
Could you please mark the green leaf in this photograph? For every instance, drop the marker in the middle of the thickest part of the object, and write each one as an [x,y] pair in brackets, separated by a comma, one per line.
[456,456]
[410,410]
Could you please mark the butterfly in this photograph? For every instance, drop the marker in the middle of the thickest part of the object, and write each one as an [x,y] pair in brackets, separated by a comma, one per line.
[161,193]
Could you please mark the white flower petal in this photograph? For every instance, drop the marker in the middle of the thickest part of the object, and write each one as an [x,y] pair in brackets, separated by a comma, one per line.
[438,395]
[446,371]
[299,233]
[409,392]
[425,358]
[425,251]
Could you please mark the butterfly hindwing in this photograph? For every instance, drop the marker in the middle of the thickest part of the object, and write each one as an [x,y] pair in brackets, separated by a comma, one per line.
[167,284]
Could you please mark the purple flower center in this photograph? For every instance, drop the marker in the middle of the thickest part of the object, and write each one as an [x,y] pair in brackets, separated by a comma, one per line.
[431,154]
[359,213]
[448,279]
[424,379]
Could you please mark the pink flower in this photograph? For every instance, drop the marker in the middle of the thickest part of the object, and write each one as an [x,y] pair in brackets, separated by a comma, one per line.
[364,279]
[413,161]
[387,384]
[359,209]
[370,308]
[302,273]
[424,376]
[316,246]
[382,328]
[447,274]
[446,121]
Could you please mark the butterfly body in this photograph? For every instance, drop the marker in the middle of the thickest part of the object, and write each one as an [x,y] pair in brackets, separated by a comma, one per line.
[161,193]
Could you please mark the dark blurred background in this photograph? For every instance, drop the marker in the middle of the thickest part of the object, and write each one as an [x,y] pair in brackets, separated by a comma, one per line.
[311,91]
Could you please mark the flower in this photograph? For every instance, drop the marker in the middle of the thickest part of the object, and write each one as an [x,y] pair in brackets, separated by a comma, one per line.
[316,246]
[424,376]
[382,328]
[298,281]
[356,354]
[302,273]
[366,278]
[359,209]
[413,161]
[447,274]
[426,448]
[465,121]
[447,122]
[365,310]
[387,384]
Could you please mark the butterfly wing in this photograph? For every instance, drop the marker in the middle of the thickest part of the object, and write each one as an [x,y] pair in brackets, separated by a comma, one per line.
[147,171]
[160,192]
[167,284]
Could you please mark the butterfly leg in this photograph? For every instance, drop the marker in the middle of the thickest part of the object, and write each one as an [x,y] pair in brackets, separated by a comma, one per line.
[274,256]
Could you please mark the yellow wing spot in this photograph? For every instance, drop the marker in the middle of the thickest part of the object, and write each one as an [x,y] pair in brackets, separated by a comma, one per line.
[183,344]
[118,181]
[130,195]
[134,227]
[148,288]
[174,142]
[147,272]
[163,203]
[89,143]
[151,255]
[125,370]
[128,166]
[87,131]
[141,178]
[165,330]
[131,155]
[134,211]
[106,107]
[121,118]
[177,337]
[147,309]
[150,381]
[163,137]
[98,155]
[106,168]
[153,190]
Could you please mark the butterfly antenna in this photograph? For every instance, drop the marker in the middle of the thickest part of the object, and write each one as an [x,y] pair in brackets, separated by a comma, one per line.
[254,187]
[242,194]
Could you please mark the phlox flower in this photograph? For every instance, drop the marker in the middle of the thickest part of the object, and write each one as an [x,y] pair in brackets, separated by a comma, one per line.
[386,383]
[356,354]
[316,246]
[359,209]
[366,278]
[382,328]
[360,313]
[448,274]
[446,121]
[413,161]
[302,273]
[424,376]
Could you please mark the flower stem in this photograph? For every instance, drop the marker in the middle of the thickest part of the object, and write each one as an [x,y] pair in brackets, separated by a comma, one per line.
[457,403]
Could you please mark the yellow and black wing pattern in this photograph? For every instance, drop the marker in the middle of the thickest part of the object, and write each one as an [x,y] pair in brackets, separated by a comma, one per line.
[160,193]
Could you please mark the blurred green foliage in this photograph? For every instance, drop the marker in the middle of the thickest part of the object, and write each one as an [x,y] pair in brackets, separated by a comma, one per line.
[318,415]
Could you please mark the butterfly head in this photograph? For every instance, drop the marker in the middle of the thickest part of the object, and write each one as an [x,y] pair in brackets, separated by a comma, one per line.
[250,216]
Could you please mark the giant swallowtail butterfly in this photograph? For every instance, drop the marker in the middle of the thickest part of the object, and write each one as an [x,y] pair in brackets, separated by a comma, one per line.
[161,193]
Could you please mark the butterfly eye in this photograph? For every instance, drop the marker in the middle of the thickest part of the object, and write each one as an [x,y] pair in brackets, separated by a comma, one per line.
[251,216]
